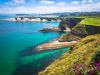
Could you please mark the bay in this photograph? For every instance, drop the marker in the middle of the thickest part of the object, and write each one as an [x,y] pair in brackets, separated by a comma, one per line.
[17,42]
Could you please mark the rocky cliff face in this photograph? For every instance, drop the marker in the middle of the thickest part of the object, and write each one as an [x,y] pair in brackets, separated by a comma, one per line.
[84,30]
[92,29]
[69,23]
[77,29]
[84,57]
[68,37]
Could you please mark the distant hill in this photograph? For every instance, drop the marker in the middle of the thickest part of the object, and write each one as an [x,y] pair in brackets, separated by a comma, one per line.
[63,14]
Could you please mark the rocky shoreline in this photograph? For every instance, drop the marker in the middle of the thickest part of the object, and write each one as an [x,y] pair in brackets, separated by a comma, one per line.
[54,29]
[23,19]
[84,56]
[55,45]
[67,40]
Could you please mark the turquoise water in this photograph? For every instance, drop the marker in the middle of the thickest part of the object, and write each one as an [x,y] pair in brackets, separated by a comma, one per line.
[17,42]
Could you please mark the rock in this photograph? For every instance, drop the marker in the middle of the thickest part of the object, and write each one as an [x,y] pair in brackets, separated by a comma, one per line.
[54,45]
[68,37]
[92,29]
[69,23]
[82,30]
[55,29]
[79,30]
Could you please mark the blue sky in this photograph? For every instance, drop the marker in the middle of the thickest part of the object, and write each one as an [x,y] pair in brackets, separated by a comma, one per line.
[48,6]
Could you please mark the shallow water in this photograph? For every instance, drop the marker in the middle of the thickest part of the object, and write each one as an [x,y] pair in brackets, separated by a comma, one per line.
[17,42]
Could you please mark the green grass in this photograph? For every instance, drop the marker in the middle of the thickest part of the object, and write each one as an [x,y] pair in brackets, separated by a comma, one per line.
[91,21]
[82,16]
[78,61]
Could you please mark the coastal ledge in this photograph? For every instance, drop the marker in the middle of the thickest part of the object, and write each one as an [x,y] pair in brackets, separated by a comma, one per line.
[55,45]
[54,29]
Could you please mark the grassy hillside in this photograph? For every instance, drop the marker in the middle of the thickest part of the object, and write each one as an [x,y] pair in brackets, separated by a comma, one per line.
[84,59]
[91,21]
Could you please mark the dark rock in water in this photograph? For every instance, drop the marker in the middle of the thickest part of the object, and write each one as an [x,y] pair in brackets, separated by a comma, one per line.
[33,67]
[28,51]
[55,29]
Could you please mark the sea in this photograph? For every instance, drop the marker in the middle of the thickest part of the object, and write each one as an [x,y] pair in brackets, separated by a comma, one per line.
[18,40]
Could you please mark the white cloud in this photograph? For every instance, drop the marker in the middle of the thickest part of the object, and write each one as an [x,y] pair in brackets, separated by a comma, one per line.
[84,1]
[47,2]
[63,7]
[18,1]
[90,1]
[87,1]
[13,3]
[61,3]
[75,2]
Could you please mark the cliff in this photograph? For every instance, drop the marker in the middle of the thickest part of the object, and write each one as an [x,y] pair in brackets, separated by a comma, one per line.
[87,26]
[84,59]
[65,25]
[68,37]
[69,23]
[92,25]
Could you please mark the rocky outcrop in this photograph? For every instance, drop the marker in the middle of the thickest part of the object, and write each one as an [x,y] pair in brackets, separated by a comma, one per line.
[55,29]
[92,29]
[82,30]
[79,30]
[68,37]
[65,25]
[54,45]
[69,23]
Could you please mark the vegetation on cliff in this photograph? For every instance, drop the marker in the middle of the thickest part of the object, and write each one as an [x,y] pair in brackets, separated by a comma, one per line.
[79,30]
[68,37]
[84,59]
[92,25]
[86,25]
[94,21]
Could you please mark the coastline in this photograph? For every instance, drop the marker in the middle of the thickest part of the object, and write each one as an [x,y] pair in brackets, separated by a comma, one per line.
[55,45]
[28,20]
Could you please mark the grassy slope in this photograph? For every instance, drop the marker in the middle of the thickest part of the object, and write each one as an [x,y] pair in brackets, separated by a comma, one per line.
[89,20]
[81,55]
[94,21]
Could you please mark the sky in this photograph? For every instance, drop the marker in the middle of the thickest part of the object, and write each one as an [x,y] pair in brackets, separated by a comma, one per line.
[48,6]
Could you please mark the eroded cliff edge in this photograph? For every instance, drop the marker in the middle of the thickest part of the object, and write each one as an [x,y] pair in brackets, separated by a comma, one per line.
[84,57]
[65,25]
